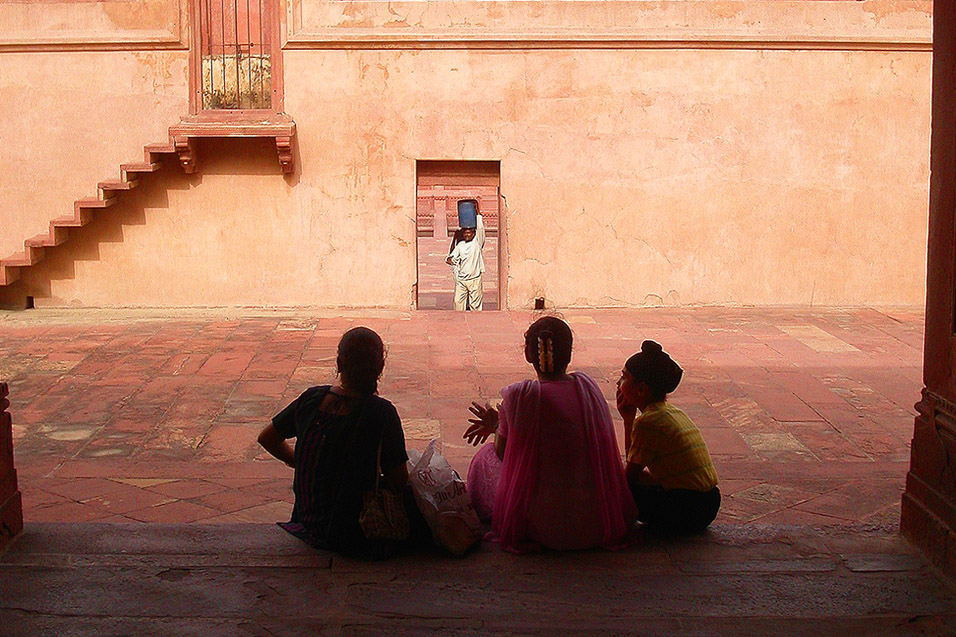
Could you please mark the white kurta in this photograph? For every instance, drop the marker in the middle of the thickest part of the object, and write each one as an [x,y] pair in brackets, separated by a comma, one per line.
[466,260]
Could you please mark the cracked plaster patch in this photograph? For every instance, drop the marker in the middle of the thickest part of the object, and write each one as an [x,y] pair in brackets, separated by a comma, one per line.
[742,414]
[12,366]
[143,483]
[421,428]
[770,493]
[773,442]
[296,326]
[68,435]
[817,339]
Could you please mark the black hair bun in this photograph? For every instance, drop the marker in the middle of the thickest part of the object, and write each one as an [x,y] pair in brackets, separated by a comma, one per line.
[651,347]
[671,377]
[655,367]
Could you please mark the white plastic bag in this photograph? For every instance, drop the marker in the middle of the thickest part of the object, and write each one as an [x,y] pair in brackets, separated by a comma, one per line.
[441,496]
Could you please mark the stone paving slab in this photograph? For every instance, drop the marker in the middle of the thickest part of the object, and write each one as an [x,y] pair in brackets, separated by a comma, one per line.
[152,416]
[436,285]
[255,579]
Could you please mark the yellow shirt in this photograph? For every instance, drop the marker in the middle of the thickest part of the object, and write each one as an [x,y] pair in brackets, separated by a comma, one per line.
[668,443]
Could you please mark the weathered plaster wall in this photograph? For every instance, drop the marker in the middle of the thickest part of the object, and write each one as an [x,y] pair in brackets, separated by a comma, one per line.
[635,171]
[239,233]
[83,86]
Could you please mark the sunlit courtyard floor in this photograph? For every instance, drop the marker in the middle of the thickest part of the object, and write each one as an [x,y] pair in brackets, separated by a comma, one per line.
[152,417]
[149,504]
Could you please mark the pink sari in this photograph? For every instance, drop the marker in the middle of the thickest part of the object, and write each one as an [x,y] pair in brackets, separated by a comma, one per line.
[523,485]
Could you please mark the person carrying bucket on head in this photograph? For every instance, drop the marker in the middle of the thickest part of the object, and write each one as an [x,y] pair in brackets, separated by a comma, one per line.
[465,257]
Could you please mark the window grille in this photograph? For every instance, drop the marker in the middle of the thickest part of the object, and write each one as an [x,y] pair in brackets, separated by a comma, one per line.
[235,44]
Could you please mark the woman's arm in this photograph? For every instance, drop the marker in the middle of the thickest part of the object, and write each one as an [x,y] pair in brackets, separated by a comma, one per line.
[628,414]
[500,442]
[638,474]
[276,445]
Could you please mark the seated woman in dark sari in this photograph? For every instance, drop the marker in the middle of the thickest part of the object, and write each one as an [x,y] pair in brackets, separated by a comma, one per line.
[340,431]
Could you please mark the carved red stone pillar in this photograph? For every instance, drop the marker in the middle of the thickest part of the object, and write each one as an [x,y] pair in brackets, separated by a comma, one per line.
[11,508]
[929,504]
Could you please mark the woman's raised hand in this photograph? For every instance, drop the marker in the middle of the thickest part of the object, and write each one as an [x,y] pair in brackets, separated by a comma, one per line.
[483,425]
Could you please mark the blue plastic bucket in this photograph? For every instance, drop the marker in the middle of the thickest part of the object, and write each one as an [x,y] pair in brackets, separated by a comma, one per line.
[468,213]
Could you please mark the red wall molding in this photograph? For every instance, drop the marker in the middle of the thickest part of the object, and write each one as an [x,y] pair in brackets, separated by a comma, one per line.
[94,25]
[880,25]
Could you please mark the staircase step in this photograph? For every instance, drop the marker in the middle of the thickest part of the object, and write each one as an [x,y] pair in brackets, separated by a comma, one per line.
[81,218]
[117,184]
[82,212]
[8,275]
[141,167]
[93,202]
[24,259]
[158,149]
[53,238]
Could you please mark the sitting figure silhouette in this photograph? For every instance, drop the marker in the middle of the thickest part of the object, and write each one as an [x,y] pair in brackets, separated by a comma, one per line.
[669,469]
[553,477]
[347,440]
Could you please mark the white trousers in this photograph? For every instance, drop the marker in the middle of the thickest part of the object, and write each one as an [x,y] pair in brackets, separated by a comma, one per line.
[468,294]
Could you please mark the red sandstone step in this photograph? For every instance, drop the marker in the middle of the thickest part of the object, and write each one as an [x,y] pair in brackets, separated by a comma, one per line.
[141,167]
[117,184]
[81,218]
[93,202]
[8,275]
[24,259]
[55,237]
[160,148]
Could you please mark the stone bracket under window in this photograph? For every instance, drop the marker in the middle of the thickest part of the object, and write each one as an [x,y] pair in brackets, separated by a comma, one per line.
[280,127]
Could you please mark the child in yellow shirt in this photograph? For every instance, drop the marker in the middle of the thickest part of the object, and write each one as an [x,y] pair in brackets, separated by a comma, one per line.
[669,469]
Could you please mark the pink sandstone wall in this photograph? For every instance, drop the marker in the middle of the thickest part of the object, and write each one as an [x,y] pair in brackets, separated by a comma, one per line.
[715,152]
[83,86]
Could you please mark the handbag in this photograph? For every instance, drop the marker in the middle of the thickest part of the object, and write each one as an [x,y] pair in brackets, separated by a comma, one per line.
[383,515]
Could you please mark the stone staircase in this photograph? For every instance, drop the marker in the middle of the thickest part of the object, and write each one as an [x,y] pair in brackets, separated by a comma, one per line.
[83,211]
[181,145]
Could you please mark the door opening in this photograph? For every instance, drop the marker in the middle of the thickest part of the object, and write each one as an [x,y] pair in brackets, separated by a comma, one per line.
[440,186]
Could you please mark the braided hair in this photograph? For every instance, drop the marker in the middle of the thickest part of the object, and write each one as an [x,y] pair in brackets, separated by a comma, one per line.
[361,359]
[547,345]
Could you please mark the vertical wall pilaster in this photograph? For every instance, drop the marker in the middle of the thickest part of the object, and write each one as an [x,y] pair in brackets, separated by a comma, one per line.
[929,504]
[11,508]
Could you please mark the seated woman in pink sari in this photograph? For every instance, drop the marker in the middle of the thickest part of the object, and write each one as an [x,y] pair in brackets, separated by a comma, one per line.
[553,477]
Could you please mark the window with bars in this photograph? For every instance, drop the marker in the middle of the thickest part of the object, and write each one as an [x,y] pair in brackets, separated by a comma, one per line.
[235,38]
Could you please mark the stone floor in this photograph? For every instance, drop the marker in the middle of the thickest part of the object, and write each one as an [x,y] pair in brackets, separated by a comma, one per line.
[436,286]
[249,579]
[122,418]
[136,416]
